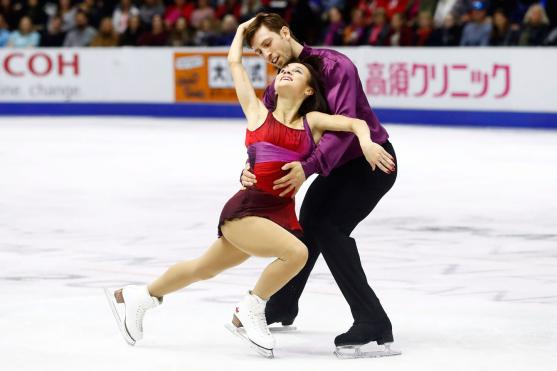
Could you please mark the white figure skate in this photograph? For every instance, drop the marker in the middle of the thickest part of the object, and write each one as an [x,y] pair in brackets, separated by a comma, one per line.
[249,323]
[128,306]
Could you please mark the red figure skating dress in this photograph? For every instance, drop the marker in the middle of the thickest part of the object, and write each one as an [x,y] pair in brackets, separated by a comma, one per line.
[270,147]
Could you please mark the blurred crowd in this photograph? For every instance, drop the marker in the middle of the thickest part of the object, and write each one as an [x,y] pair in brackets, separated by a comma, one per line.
[106,23]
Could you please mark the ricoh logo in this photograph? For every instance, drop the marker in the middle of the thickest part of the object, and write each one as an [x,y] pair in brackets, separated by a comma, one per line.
[40,64]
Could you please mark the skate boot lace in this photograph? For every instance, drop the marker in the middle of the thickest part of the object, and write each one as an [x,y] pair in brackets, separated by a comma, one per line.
[260,320]
[140,312]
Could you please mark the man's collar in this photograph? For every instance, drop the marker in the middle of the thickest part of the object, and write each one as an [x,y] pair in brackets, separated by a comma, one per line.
[306,52]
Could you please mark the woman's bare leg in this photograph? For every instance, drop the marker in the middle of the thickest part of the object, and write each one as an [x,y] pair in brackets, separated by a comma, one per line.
[261,237]
[219,257]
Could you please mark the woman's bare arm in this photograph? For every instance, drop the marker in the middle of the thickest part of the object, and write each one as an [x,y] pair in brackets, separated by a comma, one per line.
[252,106]
[375,154]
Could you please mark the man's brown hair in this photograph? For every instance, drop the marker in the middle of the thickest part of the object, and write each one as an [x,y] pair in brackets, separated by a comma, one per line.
[272,21]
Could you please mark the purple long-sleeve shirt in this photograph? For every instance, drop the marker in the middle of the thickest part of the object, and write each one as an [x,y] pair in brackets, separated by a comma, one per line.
[345,95]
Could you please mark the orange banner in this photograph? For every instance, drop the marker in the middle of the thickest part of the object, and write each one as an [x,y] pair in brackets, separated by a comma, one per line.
[205,77]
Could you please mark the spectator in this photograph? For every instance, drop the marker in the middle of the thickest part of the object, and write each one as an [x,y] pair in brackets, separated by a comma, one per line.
[327,5]
[449,34]
[335,29]
[94,12]
[35,12]
[53,36]
[4,32]
[181,34]
[477,32]
[233,7]
[67,12]
[503,34]
[463,8]
[249,9]
[149,9]
[134,30]
[367,7]
[535,26]
[180,8]
[121,15]
[228,30]
[379,31]
[25,37]
[401,34]
[82,34]
[107,36]
[202,12]
[424,33]
[157,36]
[443,9]
[392,6]
[205,35]
[12,12]
[427,6]
[354,33]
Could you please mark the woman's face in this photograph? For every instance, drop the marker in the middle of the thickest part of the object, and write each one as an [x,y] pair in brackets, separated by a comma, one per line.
[181,24]
[25,25]
[334,15]
[157,24]
[448,22]
[357,17]
[499,19]
[424,20]
[106,26]
[135,22]
[379,18]
[396,21]
[293,80]
[536,16]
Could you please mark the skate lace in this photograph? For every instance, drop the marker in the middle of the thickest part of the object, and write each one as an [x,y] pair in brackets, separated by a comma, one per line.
[140,312]
[261,322]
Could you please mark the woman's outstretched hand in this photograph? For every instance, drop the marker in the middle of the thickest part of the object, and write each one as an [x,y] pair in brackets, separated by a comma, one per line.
[378,157]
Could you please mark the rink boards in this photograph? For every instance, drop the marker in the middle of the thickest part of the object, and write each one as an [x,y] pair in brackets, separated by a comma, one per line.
[439,86]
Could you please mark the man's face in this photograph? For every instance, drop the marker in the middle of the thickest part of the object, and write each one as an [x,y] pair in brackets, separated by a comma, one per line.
[81,20]
[273,47]
[478,15]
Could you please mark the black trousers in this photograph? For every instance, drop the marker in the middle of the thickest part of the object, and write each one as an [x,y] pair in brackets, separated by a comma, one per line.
[333,206]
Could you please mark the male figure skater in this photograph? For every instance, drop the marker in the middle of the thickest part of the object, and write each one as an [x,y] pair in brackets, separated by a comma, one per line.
[345,192]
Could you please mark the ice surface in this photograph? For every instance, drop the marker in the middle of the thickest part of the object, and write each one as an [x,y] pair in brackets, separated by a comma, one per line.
[462,251]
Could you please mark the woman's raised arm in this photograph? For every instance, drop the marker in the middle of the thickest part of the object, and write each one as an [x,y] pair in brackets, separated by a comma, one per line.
[252,106]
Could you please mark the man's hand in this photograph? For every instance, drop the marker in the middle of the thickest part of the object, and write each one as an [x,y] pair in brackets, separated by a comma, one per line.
[247,179]
[291,181]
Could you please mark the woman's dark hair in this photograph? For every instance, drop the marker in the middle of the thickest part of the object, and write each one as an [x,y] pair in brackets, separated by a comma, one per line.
[316,101]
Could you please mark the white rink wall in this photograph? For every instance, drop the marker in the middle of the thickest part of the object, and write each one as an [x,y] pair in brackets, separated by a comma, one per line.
[450,86]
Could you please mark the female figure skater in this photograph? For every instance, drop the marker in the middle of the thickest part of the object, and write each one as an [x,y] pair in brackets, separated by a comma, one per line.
[255,221]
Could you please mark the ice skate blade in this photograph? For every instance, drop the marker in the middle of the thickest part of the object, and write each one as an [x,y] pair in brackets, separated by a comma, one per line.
[119,322]
[355,351]
[241,333]
[283,328]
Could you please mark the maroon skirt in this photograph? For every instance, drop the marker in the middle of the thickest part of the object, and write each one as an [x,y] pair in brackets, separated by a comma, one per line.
[255,202]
